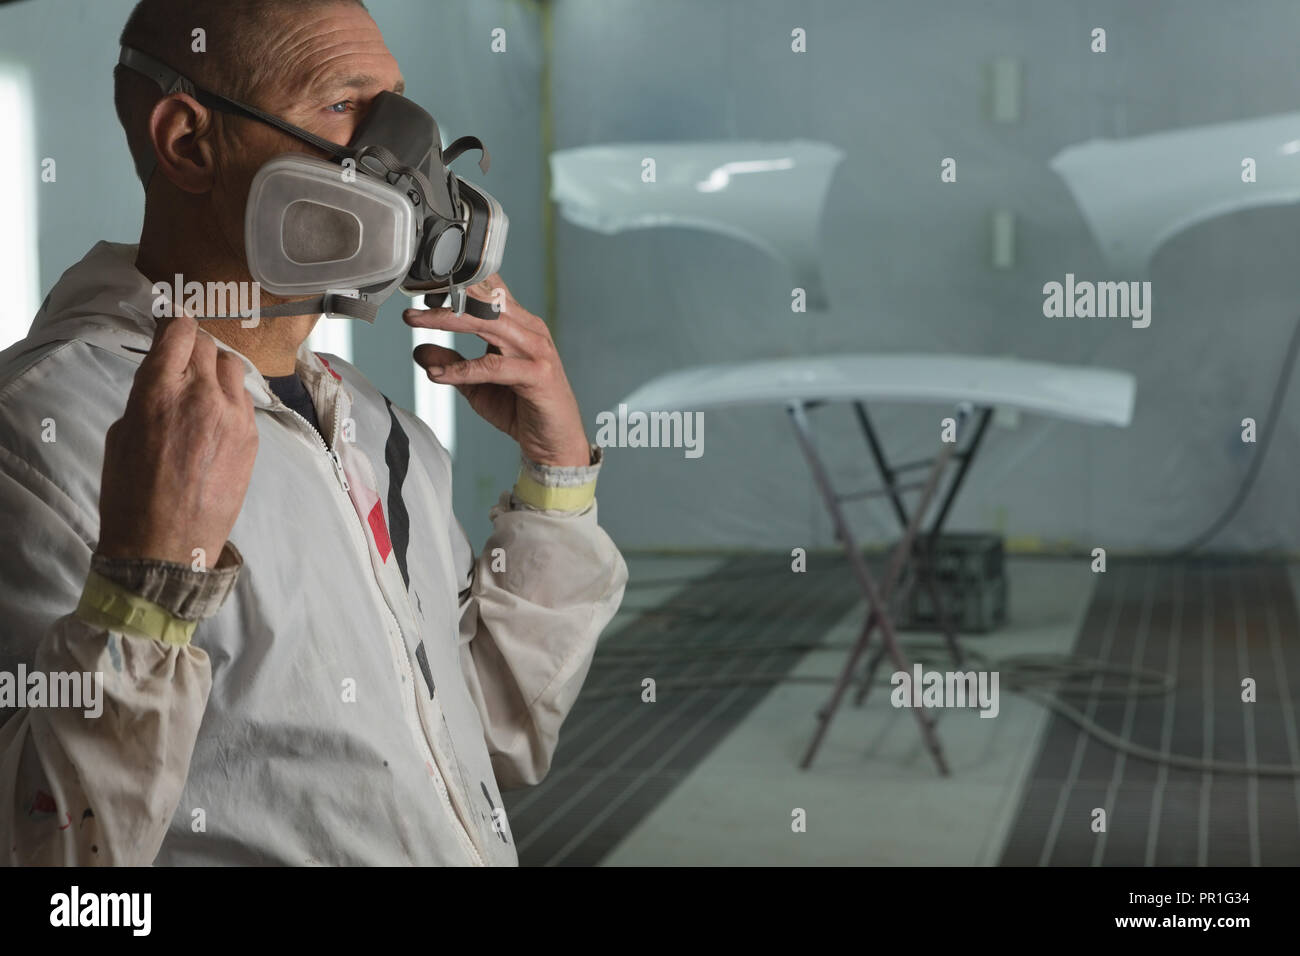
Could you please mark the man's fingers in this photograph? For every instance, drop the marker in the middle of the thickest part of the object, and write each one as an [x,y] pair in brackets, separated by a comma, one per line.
[521,315]
[204,356]
[173,342]
[492,331]
[428,355]
[230,373]
[490,369]
[486,290]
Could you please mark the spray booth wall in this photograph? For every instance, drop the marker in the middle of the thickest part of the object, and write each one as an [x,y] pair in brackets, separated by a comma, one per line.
[905,257]
[907,261]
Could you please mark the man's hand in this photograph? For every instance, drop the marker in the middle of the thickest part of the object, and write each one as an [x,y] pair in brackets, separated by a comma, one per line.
[178,462]
[519,385]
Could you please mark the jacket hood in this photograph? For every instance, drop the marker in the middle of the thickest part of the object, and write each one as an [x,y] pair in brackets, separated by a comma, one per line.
[103,291]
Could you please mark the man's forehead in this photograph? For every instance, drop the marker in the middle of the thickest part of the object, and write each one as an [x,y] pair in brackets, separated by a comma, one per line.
[342,50]
[346,80]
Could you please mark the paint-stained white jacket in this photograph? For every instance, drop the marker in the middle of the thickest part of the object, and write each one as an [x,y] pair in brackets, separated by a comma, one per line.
[365,686]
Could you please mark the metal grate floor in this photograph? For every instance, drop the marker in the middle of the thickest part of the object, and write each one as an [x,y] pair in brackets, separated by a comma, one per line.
[1211,623]
[618,756]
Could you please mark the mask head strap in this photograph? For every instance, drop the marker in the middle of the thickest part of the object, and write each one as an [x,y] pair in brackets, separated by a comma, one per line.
[169,81]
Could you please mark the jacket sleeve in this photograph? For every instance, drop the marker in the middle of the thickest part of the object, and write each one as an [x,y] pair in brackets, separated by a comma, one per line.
[536,599]
[95,784]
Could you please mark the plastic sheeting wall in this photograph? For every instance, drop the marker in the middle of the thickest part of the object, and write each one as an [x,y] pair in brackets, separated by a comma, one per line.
[898,87]
[444,51]
[907,258]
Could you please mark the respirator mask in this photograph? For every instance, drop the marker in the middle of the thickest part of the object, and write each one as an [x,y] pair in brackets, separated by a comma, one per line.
[382,213]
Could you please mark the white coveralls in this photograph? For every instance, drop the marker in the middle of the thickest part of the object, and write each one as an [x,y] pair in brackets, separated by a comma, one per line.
[363,685]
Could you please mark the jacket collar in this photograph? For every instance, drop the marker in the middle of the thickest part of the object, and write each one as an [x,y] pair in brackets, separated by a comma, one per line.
[104,300]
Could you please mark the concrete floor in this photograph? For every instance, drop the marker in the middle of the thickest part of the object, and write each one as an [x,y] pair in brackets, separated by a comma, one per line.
[873,795]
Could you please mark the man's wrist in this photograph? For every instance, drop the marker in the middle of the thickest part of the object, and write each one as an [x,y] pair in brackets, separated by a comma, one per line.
[580,456]
[558,487]
[176,587]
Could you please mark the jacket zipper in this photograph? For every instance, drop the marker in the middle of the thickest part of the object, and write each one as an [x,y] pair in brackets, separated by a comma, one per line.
[399,651]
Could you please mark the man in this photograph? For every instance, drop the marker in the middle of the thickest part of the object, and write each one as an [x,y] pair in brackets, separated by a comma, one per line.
[302,661]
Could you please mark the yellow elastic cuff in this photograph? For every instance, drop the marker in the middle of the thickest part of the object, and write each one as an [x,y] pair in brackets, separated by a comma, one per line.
[107,604]
[537,495]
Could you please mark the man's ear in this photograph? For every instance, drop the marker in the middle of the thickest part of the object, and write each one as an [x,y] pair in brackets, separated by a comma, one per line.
[181,131]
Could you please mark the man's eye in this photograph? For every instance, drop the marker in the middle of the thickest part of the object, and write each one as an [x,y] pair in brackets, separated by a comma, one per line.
[343,107]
